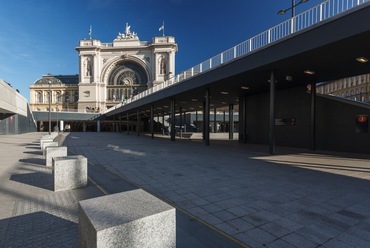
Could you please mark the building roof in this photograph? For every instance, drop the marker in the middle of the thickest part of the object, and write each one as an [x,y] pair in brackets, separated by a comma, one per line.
[58,79]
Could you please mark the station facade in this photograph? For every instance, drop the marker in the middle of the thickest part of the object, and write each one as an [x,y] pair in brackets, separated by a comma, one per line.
[109,73]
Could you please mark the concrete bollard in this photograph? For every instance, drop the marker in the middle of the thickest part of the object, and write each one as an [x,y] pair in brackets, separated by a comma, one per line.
[133,219]
[47,144]
[43,140]
[69,172]
[54,151]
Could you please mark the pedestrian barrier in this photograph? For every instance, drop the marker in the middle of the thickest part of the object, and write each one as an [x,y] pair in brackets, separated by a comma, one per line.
[54,151]
[47,144]
[134,219]
[69,172]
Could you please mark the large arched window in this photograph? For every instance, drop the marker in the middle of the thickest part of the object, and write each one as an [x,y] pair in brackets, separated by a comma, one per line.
[126,79]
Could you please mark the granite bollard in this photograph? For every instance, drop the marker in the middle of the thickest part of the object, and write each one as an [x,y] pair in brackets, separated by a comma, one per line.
[47,144]
[54,151]
[69,172]
[133,219]
[43,140]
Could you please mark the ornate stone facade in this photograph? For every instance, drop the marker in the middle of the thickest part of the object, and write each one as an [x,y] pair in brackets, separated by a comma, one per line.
[109,73]
[113,72]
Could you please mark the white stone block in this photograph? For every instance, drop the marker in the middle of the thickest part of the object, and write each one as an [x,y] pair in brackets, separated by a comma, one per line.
[133,219]
[47,144]
[54,151]
[69,172]
[43,140]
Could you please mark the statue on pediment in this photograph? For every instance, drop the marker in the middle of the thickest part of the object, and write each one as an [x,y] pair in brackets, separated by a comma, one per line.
[128,35]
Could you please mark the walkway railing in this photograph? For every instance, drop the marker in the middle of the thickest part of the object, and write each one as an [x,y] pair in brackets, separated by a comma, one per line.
[299,22]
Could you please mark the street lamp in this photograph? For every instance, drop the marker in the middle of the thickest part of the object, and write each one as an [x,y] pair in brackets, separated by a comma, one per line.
[49,106]
[283,11]
[57,117]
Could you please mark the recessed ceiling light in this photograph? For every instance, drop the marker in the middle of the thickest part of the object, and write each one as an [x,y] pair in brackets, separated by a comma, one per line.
[245,87]
[224,93]
[309,72]
[362,59]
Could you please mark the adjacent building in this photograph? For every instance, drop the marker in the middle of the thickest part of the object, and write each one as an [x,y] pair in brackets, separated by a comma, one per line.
[355,88]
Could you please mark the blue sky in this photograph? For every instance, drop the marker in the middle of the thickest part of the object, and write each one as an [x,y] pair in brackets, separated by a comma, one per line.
[39,36]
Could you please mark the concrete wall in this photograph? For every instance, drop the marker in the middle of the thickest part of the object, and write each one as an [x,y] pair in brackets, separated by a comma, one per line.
[17,124]
[335,118]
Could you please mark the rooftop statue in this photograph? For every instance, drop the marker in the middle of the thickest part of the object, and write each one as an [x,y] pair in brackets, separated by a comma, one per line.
[127,35]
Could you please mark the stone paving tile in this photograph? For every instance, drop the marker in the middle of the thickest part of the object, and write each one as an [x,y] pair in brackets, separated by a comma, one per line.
[335,243]
[288,224]
[279,244]
[275,229]
[211,219]
[241,225]
[248,239]
[224,215]
[317,234]
[260,217]
[229,229]
[353,240]
[298,241]
[211,208]
[261,236]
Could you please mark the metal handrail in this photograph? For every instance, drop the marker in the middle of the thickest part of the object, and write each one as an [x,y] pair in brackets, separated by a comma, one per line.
[321,12]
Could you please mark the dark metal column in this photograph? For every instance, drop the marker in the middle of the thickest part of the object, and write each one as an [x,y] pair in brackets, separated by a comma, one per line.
[152,121]
[163,128]
[137,122]
[128,123]
[173,130]
[207,116]
[231,121]
[214,121]
[243,119]
[204,120]
[272,114]
[313,116]
[180,122]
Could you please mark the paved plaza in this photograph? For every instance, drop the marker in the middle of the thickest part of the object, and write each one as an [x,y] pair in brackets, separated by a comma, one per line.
[295,198]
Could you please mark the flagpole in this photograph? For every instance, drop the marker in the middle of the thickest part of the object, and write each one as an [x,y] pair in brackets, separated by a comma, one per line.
[163,29]
[90,32]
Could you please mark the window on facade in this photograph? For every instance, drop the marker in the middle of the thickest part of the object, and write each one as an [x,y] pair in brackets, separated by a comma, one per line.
[47,97]
[38,97]
[58,97]
[66,97]
[76,96]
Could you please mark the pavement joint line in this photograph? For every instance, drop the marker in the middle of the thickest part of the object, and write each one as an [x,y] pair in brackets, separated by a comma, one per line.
[169,203]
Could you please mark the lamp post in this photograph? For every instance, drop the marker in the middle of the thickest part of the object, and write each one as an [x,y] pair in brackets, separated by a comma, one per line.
[283,11]
[49,106]
[57,117]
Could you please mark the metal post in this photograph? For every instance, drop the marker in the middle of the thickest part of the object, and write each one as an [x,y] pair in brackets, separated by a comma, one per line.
[57,117]
[137,122]
[231,121]
[173,130]
[214,121]
[164,131]
[207,116]
[128,123]
[313,116]
[272,113]
[152,121]
[180,122]
[49,107]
